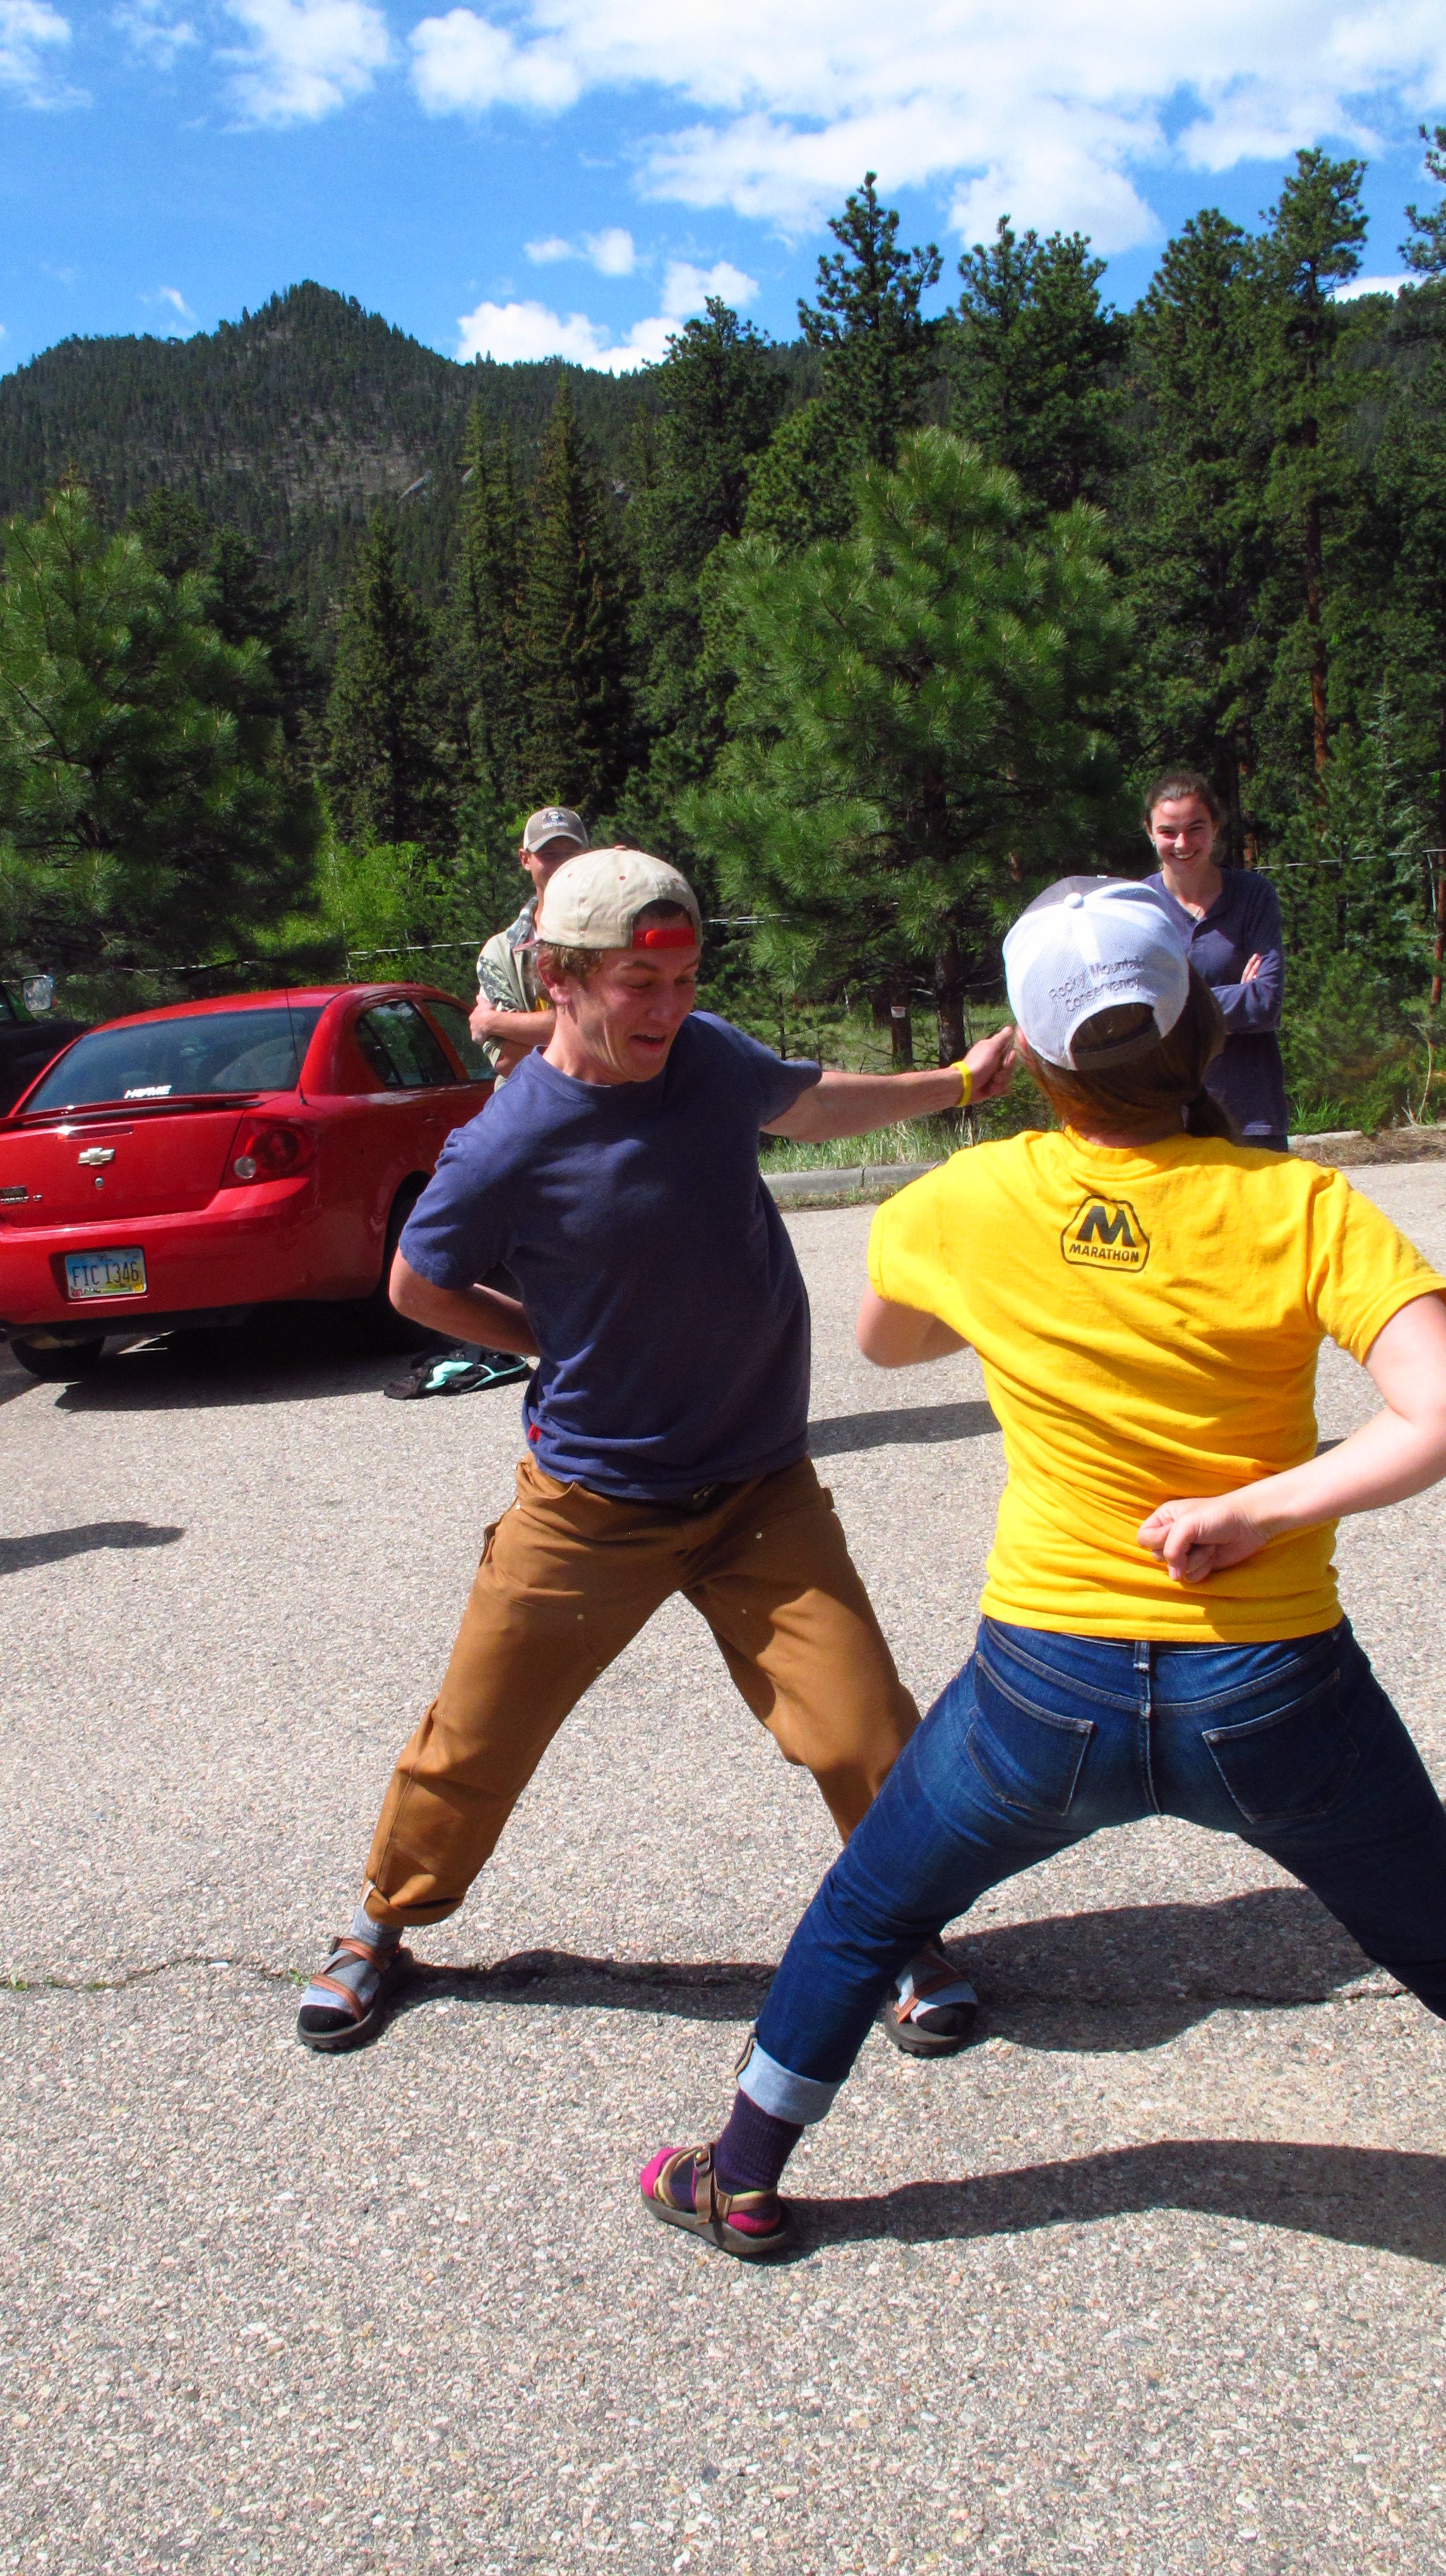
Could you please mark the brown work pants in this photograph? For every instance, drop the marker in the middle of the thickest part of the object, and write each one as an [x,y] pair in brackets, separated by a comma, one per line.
[567,1578]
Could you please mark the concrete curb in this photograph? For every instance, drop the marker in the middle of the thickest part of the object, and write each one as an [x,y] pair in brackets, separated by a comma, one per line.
[831,1187]
[856,1184]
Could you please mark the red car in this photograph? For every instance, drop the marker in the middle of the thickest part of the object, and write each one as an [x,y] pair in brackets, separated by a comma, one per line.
[187,1165]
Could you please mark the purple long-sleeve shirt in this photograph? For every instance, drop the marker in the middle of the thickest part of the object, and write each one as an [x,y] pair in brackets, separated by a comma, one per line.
[1243,922]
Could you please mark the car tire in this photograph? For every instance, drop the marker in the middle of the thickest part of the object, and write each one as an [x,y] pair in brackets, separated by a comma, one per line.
[60,1361]
[384,1329]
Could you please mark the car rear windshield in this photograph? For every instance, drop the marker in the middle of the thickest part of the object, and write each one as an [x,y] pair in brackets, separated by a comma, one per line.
[172,1059]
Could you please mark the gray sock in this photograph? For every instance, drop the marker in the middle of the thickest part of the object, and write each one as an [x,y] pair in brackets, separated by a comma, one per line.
[361,1976]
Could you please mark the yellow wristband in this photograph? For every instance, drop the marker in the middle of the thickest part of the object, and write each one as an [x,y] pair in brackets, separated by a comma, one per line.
[966,1082]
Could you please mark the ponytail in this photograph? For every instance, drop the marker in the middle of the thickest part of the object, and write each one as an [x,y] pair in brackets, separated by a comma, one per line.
[1137,1075]
[1205,1117]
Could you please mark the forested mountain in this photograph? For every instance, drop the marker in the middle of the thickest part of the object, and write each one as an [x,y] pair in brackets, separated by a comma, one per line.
[289,426]
[873,632]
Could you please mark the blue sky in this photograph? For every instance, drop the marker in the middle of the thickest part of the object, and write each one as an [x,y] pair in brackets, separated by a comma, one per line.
[576,174]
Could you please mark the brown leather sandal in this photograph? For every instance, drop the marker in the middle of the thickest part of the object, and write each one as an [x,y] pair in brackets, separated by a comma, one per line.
[366,2019]
[715,2212]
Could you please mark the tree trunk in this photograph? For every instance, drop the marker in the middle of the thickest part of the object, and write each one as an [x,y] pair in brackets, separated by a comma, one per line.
[949,999]
[901,1027]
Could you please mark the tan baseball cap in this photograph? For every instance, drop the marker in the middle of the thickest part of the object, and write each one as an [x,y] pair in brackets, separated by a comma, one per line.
[553,823]
[594,902]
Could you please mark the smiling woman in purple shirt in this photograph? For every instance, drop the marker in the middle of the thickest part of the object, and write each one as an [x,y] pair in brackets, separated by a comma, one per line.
[1232,924]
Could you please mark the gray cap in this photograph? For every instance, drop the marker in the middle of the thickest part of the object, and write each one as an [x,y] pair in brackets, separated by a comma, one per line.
[553,823]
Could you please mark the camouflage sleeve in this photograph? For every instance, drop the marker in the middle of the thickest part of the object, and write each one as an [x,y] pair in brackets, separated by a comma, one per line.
[496,984]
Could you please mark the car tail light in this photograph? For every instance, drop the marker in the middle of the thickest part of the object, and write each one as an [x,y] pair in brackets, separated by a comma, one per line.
[268,1149]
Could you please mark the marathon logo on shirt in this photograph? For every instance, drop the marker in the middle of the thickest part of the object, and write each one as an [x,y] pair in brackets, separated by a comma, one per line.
[1105,1234]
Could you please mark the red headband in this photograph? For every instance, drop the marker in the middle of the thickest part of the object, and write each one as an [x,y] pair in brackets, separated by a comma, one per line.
[665,934]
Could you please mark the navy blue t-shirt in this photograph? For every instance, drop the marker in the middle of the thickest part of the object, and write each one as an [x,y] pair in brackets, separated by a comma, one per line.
[669,1309]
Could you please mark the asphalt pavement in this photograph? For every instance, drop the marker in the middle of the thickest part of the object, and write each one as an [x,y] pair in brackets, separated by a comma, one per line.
[1151,2279]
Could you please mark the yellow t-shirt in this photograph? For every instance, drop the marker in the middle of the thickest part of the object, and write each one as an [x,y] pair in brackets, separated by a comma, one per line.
[1148,1320]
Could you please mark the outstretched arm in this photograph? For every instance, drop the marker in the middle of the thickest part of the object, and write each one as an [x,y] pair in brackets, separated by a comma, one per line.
[854,1104]
[1398,1454]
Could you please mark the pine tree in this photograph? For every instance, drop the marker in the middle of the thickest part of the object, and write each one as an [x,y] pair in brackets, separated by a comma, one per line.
[802,488]
[1311,249]
[915,727]
[245,607]
[488,617]
[149,816]
[719,398]
[1426,250]
[880,360]
[578,718]
[1037,359]
[1198,536]
[1410,480]
[386,770]
[879,352]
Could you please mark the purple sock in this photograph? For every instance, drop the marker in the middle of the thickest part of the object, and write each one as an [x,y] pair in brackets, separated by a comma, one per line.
[754,2148]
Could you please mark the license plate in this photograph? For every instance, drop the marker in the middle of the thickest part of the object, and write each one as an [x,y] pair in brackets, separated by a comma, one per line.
[106,1274]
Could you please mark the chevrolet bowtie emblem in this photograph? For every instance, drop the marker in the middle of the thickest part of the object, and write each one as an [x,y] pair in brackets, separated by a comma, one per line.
[97,1154]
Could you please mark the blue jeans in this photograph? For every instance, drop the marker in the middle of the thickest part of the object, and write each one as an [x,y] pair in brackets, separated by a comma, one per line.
[1043,1739]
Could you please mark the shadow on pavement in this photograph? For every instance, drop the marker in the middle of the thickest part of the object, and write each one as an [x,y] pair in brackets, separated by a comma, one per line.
[51,1547]
[1385,2198]
[1050,1984]
[913,1426]
[283,1355]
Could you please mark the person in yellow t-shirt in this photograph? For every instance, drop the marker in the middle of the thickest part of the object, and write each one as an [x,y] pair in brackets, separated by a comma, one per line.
[1160,1630]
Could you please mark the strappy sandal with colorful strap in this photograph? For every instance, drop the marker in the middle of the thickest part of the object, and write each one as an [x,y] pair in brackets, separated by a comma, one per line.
[933,2009]
[365,2019]
[753,2225]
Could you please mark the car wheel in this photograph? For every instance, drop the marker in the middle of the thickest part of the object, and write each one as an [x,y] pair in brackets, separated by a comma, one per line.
[383,1327]
[59,1361]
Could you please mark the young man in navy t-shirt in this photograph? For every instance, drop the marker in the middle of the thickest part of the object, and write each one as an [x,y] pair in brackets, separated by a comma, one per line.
[616,1177]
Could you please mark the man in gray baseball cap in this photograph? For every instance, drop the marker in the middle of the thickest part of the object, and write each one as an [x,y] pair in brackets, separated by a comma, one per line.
[666,1421]
[513,1013]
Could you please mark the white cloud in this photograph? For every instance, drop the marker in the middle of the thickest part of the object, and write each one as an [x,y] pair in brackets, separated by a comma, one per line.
[185,320]
[31,35]
[1055,114]
[464,61]
[529,330]
[610,252]
[1357,286]
[526,330]
[305,57]
[153,32]
[687,289]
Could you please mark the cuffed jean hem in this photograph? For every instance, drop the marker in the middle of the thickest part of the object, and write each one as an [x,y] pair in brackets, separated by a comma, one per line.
[784,2095]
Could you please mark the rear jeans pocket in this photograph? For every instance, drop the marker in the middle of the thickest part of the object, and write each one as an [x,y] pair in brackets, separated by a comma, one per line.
[1290,1766]
[1029,1757]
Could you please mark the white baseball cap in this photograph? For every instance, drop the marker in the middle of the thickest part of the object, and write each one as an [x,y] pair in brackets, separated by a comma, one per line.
[594,902]
[553,823]
[1090,944]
